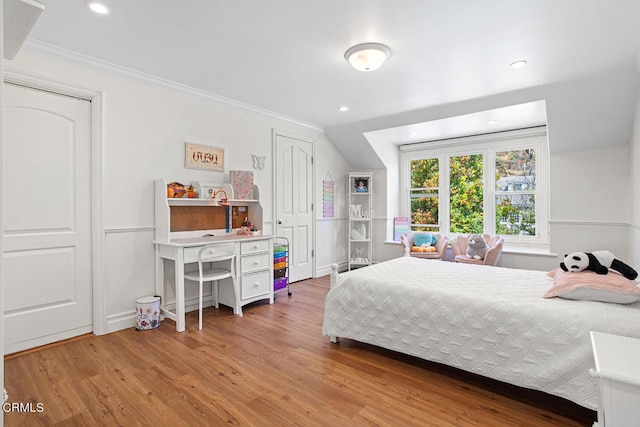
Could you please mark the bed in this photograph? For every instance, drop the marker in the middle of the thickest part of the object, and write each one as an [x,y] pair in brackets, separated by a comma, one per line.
[487,320]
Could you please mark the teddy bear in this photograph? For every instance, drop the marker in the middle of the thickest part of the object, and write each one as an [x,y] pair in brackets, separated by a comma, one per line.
[476,246]
[598,261]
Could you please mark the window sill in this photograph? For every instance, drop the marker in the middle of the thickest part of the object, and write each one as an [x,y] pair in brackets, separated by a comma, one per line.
[541,251]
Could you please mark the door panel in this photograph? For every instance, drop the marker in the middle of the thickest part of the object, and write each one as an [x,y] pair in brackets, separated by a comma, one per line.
[294,195]
[47,229]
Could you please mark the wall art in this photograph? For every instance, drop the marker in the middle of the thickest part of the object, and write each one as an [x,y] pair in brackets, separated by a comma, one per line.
[204,157]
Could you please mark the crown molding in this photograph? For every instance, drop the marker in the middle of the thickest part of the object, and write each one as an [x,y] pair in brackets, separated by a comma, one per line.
[99,65]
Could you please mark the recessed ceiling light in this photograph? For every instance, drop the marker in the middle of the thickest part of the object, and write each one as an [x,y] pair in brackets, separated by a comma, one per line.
[343,108]
[519,63]
[99,8]
[492,122]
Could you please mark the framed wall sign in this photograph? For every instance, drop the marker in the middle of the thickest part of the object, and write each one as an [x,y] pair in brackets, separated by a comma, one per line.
[204,157]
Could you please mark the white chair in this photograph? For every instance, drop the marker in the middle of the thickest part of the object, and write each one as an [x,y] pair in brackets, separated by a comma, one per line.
[214,255]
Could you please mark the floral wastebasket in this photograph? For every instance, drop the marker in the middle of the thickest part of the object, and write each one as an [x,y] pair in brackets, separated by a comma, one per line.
[148,313]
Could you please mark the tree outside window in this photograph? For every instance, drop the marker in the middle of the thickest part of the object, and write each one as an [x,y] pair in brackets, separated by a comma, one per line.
[424,194]
[466,194]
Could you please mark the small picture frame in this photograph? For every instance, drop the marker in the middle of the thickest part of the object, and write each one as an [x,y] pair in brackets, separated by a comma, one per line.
[361,185]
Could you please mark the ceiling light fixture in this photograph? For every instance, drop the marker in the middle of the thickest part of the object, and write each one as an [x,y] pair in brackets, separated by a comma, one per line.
[99,8]
[367,56]
[519,63]
[344,108]
[492,122]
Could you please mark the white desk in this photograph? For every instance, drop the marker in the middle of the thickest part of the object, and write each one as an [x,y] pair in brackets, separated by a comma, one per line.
[254,270]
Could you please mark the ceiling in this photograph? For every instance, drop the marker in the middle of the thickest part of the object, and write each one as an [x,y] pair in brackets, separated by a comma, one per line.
[287,56]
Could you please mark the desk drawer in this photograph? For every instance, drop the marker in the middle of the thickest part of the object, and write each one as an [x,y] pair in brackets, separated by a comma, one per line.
[191,253]
[254,246]
[255,284]
[255,262]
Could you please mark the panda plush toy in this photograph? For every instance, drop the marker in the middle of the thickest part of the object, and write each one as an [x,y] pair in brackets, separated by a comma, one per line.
[598,261]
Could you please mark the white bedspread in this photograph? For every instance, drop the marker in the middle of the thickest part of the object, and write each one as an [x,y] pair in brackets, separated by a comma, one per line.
[488,320]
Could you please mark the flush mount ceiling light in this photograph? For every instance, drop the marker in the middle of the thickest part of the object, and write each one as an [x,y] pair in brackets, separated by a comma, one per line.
[367,56]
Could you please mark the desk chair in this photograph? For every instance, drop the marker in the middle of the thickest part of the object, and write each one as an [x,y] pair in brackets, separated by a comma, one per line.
[214,254]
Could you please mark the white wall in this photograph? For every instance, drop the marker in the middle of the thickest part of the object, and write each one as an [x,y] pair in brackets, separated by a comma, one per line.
[145,129]
[634,187]
[331,233]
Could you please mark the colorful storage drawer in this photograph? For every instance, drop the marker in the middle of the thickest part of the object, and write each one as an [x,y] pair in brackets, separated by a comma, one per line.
[281,264]
[280,283]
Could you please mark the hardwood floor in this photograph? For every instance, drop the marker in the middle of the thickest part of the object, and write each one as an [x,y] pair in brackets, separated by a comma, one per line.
[272,367]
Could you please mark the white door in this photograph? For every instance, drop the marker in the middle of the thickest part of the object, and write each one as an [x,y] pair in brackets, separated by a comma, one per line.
[47,218]
[294,199]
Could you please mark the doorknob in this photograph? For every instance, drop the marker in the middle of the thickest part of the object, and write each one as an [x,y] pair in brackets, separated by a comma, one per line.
[279,221]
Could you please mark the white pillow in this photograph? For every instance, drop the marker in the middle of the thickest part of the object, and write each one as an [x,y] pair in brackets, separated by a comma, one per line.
[587,285]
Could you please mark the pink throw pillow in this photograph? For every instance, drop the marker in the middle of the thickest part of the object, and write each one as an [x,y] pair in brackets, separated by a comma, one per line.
[587,285]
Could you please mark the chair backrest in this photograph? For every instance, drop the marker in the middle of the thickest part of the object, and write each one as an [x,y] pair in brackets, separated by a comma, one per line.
[494,250]
[494,247]
[459,246]
[406,240]
[216,252]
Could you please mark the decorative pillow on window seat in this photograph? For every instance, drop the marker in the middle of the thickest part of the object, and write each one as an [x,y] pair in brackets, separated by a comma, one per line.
[587,285]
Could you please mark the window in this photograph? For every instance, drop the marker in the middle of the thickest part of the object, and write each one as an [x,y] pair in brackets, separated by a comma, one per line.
[496,184]
[466,193]
[424,194]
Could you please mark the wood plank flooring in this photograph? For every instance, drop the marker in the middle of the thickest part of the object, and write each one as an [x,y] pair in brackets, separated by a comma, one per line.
[272,367]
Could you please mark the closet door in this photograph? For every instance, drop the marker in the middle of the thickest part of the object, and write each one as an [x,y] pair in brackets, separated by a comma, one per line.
[294,202]
[47,221]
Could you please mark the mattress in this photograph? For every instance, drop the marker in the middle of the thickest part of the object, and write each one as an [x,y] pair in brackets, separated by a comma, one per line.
[487,320]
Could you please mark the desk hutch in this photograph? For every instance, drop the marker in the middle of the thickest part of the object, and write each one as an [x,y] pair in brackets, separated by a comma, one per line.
[185,225]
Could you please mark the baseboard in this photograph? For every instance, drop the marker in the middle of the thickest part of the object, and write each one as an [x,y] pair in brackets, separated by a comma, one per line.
[325,270]
[127,319]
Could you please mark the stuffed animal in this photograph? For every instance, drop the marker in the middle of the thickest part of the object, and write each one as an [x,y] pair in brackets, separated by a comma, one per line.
[423,242]
[420,239]
[423,248]
[598,261]
[476,246]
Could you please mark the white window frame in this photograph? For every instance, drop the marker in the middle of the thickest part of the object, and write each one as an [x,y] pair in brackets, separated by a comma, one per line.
[488,146]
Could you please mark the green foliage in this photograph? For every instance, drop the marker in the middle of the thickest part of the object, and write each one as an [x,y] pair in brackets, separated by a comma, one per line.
[466,194]
[425,178]
[515,214]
